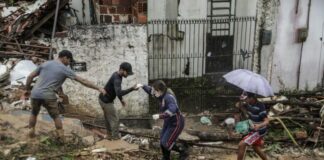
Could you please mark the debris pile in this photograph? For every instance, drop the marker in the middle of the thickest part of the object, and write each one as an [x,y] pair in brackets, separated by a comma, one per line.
[23,24]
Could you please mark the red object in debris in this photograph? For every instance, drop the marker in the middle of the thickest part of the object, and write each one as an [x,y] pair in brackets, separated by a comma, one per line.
[141,18]
[61,34]
[254,139]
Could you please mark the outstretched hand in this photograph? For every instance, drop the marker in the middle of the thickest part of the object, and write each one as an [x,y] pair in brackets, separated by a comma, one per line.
[156,116]
[137,86]
[123,103]
[103,91]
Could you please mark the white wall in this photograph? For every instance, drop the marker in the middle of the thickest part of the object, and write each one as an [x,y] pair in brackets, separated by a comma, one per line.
[246,8]
[312,60]
[103,48]
[77,4]
[287,51]
[193,38]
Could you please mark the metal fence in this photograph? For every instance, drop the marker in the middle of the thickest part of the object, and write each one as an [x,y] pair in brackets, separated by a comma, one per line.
[192,55]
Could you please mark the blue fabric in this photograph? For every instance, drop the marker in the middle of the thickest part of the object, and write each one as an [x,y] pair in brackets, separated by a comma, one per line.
[173,124]
[257,113]
[171,132]
[167,103]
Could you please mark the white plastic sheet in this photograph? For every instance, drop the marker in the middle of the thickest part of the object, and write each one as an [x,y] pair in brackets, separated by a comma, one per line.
[21,71]
[3,70]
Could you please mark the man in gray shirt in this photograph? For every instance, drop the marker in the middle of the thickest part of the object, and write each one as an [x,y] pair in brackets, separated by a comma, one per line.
[51,76]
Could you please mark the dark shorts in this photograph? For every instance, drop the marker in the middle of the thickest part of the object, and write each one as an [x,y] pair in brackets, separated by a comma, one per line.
[51,106]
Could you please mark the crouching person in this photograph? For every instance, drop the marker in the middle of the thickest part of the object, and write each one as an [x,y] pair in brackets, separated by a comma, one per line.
[173,119]
[258,117]
[51,76]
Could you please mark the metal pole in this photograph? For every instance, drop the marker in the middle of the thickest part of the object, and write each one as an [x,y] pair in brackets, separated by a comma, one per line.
[54,28]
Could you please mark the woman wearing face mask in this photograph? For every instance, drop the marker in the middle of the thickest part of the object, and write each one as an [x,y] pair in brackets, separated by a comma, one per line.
[173,119]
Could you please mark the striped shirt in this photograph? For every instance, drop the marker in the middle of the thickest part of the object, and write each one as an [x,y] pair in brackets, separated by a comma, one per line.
[257,113]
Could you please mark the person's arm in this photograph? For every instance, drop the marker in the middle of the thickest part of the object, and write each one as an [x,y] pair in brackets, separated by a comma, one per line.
[30,78]
[69,73]
[242,108]
[264,116]
[119,92]
[263,124]
[89,84]
[172,107]
[147,89]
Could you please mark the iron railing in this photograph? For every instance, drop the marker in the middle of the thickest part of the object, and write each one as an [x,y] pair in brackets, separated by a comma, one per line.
[192,55]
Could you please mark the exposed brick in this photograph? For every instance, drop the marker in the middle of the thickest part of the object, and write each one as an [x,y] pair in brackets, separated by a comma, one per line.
[141,18]
[108,19]
[105,19]
[107,2]
[112,10]
[124,10]
[121,10]
[103,9]
[140,7]
[101,2]
[115,2]
[134,13]
[144,7]
[125,2]
[130,19]
[116,18]
[102,19]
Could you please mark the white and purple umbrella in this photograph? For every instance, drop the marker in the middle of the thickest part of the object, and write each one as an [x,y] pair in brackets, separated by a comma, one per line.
[250,82]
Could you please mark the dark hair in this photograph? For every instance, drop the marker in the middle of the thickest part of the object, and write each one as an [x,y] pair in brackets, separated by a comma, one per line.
[67,54]
[126,67]
[160,86]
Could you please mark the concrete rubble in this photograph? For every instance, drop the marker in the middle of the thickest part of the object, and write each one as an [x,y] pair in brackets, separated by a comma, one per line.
[22,24]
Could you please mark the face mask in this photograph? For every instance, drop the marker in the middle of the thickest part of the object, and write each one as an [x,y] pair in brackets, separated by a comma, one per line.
[157,93]
[243,96]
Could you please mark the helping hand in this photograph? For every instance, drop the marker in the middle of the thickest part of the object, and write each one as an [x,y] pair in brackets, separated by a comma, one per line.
[123,103]
[137,86]
[103,91]
[156,116]
[256,127]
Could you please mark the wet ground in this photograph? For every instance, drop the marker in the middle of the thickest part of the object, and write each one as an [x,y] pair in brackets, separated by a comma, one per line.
[14,144]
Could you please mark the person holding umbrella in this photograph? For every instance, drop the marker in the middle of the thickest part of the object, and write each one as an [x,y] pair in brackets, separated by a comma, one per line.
[257,114]
[173,119]
[253,84]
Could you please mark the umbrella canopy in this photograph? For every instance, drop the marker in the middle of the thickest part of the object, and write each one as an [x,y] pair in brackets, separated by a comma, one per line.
[249,81]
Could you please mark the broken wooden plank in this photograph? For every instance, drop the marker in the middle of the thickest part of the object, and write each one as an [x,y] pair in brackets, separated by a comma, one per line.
[10,54]
[26,45]
[213,136]
[44,20]
[298,118]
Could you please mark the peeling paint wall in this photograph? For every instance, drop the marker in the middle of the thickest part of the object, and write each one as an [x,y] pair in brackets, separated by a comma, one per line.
[83,10]
[103,48]
[280,60]
[190,40]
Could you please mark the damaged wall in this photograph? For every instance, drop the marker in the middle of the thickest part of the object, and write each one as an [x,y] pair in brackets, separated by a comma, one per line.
[282,66]
[103,48]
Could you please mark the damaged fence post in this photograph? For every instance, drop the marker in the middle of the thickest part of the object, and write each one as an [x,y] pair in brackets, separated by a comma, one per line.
[54,28]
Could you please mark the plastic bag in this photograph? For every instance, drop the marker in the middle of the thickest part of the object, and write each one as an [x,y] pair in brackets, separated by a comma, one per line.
[243,127]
